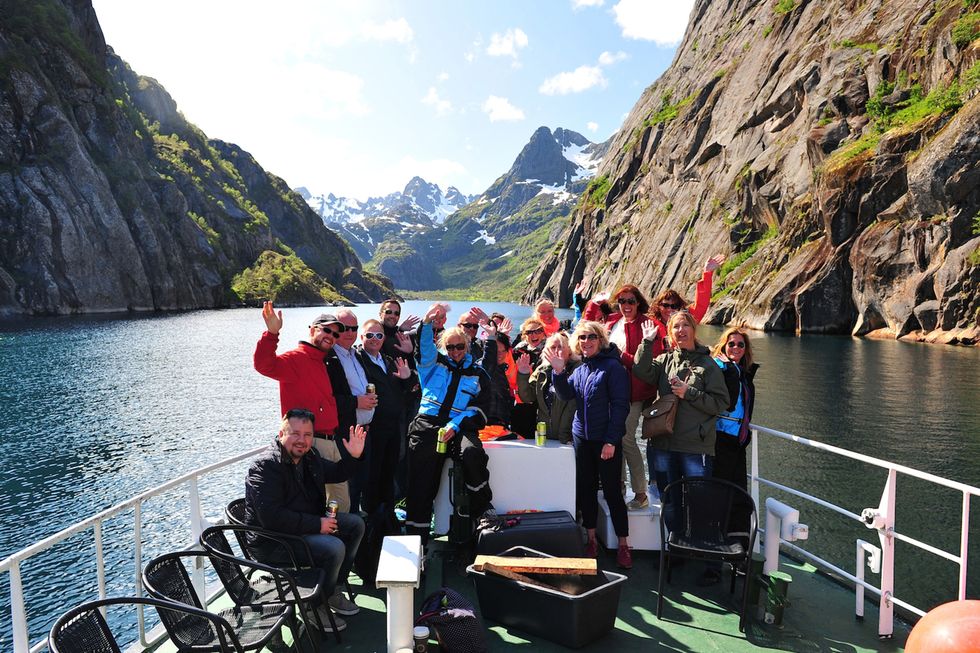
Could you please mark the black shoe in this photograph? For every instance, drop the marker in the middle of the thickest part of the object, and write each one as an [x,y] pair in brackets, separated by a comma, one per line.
[708,578]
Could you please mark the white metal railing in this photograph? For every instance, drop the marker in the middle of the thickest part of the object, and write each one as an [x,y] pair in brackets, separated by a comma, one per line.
[880,519]
[12,564]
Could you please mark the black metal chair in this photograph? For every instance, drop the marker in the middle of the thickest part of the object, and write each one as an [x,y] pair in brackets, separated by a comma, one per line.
[702,508]
[83,629]
[300,587]
[166,578]
[235,514]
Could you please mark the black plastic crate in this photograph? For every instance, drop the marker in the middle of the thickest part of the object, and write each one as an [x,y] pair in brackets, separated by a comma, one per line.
[573,619]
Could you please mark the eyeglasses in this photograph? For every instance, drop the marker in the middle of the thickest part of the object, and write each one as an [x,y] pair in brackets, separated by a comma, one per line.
[371,335]
[529,331]
[457,347]
[344,328]
[587,336]
[737,345]
[469,325]
[630,301]
[330,331]
[670,305]
[388,311]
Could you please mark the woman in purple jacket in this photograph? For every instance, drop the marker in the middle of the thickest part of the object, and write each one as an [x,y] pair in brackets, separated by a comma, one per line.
[600,387]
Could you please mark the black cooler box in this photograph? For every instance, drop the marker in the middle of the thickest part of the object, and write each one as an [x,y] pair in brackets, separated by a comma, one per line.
[552,533]
[579,615]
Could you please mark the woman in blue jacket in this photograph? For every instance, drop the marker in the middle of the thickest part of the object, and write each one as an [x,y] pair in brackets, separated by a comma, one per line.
[600,388]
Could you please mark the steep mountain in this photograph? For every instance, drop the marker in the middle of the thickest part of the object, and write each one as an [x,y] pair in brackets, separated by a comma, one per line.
[110,200]
[418,208]
[486,248]
[829,148]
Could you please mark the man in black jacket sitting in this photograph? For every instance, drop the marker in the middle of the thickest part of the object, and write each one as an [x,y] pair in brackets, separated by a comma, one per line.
[284,492]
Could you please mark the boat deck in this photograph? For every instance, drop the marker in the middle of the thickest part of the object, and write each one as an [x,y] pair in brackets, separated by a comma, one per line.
[819,616]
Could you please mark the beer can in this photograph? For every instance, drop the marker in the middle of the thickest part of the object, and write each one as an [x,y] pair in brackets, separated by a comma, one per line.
[369,389]
[541,434]
[440,443]
[332,507]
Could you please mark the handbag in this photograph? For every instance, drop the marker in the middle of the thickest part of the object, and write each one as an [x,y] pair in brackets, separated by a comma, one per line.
[658,417]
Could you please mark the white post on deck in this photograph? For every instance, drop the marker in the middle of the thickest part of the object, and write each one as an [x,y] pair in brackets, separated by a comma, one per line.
[964,544]
[399,571]
[782,521]
[197,571]
[18,615]
[884,522]
[874,564]
[754,471]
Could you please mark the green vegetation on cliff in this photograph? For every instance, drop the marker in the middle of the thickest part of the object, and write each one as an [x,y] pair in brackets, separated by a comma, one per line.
[284,279]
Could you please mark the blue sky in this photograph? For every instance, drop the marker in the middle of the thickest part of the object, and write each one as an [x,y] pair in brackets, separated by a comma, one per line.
[356,98]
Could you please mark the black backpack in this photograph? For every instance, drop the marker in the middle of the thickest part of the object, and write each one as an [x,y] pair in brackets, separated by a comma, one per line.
[452,620]
[379,523]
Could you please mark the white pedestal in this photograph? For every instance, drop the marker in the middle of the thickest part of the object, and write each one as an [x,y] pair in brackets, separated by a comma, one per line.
[399,570]
[644,526]
[523,476]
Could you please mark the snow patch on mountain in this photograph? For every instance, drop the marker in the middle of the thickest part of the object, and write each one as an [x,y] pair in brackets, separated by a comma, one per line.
[485,237]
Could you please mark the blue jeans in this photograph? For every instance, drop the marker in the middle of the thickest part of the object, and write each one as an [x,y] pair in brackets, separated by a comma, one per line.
[335,552]
[673,466]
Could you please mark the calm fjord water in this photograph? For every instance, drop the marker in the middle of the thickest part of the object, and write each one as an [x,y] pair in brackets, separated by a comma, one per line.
[95,410]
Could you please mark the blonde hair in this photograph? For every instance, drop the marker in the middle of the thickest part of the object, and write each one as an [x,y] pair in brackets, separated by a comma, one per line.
[686,317]
[587,327]
[559,338]
[719,347]
[453,332]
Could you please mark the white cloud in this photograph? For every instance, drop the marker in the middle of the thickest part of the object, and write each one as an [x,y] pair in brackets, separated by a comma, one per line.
[432,99]
[508,43]
[609,58]
[398,31]
[581,79]
[592,126]
[443,76]
[661,22]
[500,109]
[582,4]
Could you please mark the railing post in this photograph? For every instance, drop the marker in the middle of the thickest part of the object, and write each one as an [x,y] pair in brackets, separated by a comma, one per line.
[197,572]
[138,539]
[964,544]
[100,562]
[755,479]
[18,615]
[886,508]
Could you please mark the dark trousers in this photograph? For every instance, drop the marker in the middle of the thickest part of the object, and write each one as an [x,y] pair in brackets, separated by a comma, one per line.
[589,469]
[425,471]
[401,469]
[382,459]
[523,419]
[730,466]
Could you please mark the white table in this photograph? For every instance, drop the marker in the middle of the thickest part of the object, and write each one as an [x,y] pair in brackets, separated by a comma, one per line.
[522,476]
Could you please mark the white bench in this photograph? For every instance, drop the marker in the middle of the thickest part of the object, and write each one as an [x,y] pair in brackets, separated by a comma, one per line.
[399,572]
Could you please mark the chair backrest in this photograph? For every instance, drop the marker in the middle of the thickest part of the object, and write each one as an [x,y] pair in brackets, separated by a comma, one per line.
[235,512]
[166,578]
[83,629]
[232,577]
[703,507]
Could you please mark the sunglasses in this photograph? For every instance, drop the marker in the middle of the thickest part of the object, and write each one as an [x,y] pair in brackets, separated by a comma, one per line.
[628,300]
[529,331]
[671,306]
[469,325]
[371,335]
[343,328]
[388,311]
[330,331]
[736,345]
[457,347]
[587,336]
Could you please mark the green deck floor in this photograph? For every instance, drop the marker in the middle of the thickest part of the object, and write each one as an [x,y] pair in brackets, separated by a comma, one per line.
[820,616]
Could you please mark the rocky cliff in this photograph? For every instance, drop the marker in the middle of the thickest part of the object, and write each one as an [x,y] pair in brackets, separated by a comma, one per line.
[830,149]
[110,200]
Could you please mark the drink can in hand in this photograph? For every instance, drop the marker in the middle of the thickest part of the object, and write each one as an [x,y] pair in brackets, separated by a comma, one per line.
[369,389]
[440,442]
[541,434]
[332,507]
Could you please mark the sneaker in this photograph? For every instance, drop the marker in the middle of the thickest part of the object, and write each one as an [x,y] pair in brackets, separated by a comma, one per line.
[342,605]
[324,613]
[637,504]
[708,578]
[591,549]
[624,559]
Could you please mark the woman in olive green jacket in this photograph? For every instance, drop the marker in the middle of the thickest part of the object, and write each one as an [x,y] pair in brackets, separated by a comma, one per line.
[688,371]
[535,386]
